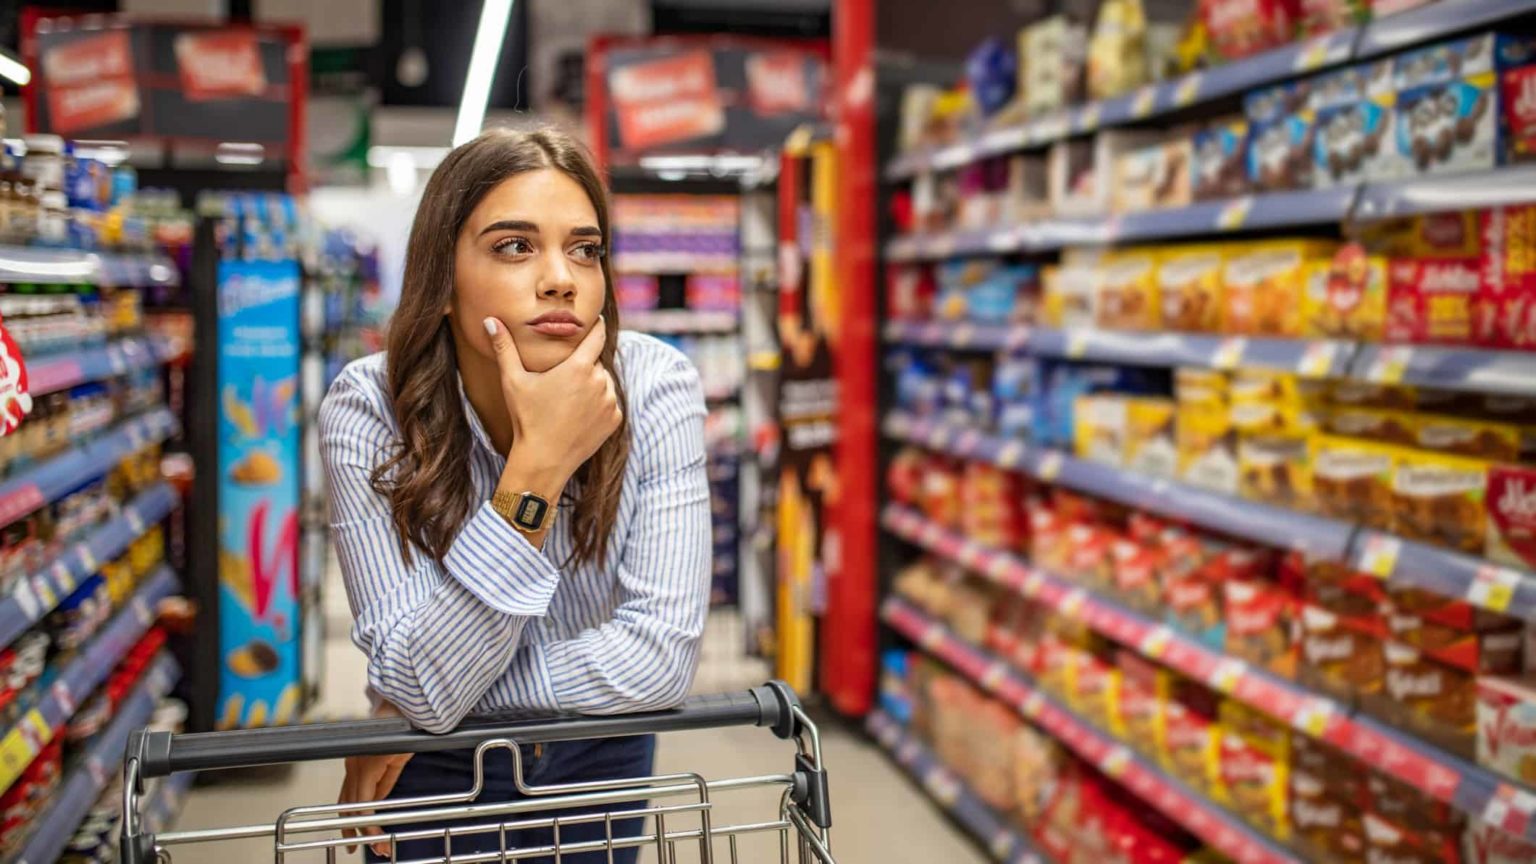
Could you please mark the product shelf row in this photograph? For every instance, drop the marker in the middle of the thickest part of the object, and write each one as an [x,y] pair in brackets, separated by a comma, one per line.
[1153,101]
[1440,774]
[680,321]
[77,680]
[1507,185]
[58,371]
[35,595]
[46,481]
[1005,842]
[42,265]
[1488,371]
[90,777]
[1212,823]
[1393,559]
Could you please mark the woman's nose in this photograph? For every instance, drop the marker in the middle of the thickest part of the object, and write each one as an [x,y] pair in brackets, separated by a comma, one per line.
[558,280]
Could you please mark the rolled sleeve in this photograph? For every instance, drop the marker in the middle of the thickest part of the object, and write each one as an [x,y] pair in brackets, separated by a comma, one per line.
[497,564]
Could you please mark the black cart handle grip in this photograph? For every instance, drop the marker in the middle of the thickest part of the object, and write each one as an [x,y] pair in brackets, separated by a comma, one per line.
[162,753]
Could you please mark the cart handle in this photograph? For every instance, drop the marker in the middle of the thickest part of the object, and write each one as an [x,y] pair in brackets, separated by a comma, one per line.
[161,753]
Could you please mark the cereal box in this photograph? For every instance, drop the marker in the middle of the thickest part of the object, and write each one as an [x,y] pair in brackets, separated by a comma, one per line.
[1220,154]
[1486,844]
[1153,176]
[1339,144]
[1100,427]
[1266,283]
[1150,447]
[1435,699]
[1207,445]
[1071,295]
[1439,499]
[1276,469]
[1352,479]
[1511,518]
[1373,424]
[1378,118]
[1431,301]
[1190,288]
[1128,292]
[1346,296]
[1505,306]
[1450,126]
[1280,142]
[1480,439]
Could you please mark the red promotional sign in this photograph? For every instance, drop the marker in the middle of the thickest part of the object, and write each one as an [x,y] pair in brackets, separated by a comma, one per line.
[776,82]
[15,398]
[91,106]
[219,64]
[667,100]
[89,60]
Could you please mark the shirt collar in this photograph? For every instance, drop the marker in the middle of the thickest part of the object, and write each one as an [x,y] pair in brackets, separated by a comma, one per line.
[475,426]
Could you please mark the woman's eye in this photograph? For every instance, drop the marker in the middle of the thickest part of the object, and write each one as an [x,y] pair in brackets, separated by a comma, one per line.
[513,246]
[588,251]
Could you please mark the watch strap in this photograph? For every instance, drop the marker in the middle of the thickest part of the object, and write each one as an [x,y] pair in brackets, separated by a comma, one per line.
[525,511]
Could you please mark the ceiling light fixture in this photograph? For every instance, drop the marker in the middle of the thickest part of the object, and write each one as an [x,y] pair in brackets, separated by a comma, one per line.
[14,70]
[483,59]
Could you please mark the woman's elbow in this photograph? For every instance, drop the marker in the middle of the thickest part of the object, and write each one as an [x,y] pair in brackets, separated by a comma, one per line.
[429,712]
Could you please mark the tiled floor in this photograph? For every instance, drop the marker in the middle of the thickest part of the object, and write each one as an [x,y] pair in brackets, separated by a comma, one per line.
[879,817]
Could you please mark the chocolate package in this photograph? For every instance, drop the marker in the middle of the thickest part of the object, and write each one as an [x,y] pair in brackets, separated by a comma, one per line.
[1280,137]
[1510,502]
[1450,103]
[1220,160]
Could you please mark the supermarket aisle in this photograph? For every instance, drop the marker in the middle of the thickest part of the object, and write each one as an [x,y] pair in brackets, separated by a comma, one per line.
[880,816]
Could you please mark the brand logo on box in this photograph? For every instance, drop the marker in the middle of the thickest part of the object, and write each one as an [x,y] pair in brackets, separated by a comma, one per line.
[1449,278]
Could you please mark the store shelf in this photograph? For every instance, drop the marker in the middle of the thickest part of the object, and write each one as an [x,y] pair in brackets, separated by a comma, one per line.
[1219,828]
[1395,560]
[1506,372]
[1503,186]
[997,833]
[40,484]
[680,321]
[74,267]
[58,371]
[84,672]
[162,808]
[90,777]
[38,593]
[1392,33]
[1447,777]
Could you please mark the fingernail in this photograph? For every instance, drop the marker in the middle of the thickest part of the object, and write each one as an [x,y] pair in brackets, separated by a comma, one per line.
[490,326]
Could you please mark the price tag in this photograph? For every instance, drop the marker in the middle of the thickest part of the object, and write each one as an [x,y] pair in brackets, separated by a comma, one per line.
[1050,466]
[1032,584]
[63,696]
[141,611]
[1234,213]
[1115,762]
[63,576]
[1155,643]
[942,246]
[997,567]
[1141,106]
[98,772]
[1002,845]
[1317,359]
[1003,240]
[1229,352]
[1227,673]
[1493,587]
[1314,717]
[942,787]
[993,677]
[962,335]
[43,591]
[26,598]
[1313,55]
[1010,455]
[1496,810]
[1077,343]
[1088,118]
[932,637]
[908,752]
[1072,604]
[1188,90]
[1378,556]
[88,562]
[1389,364]
[1032,704]
[135,521]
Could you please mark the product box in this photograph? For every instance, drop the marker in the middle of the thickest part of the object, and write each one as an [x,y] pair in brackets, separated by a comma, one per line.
[1356,598]
[1079,182]
[1242,28]
[1280,138]
[1486,651]
[1450,115]
[1266,283]
[1439,499]
[1254,768]
[1511,516]
[1346,296]
[1133,575]
[1220,160]
[1207,446]
[1434,821]
[1377,118]
[1128,292]
[1335,658]
[1480,439]
[1258,614]
[1444,236]
[1191,577]
[1276,469]
[1323,824]
[1352,479]
[1340,146]
[1431,301]
[1070,295]
[1190,288]
[1188,737]
[1435,700]
[1052,56]
[1373,424]
[1150,447]
[1389,842]
[1138,710]
[1466,57]
[1517,91]
[1100,426]
[1505,306]
[1152,177]
[1487,844]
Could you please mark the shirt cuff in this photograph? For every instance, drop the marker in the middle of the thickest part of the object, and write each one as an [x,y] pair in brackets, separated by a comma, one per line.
[530,676]
[497,564]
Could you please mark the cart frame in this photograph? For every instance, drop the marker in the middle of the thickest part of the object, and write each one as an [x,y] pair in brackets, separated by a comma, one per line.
[804,805]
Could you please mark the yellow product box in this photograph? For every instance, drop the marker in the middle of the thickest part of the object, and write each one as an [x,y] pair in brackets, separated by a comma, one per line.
[1254,769]
[1150,446]
[1276,469]
[1099,426]
[1382,426]
[1188,734]
[1446,235]
[1207,446]
[1070,295]
[1439,499]
[1266,282]
[1352,479]
[1479,439]
[1189,285]
[1128,291]
[1262,385]
[1355,393]
[1346,296]
[1271,418]
[1201,385]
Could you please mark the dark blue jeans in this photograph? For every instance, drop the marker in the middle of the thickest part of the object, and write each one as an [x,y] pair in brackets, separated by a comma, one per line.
[563,762]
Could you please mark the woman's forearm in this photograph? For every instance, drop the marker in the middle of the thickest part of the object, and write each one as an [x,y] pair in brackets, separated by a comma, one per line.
[528,470]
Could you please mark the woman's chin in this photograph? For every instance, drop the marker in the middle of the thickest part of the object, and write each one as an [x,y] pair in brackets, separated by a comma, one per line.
[542,358]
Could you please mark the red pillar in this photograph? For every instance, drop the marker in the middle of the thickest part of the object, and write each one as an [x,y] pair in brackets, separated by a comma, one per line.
[848,640]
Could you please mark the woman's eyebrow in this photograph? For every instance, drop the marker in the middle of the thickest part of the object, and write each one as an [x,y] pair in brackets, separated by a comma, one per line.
[510,225]
[586,231]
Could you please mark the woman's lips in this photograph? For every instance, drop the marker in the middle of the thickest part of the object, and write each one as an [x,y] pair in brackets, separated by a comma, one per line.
[558,324]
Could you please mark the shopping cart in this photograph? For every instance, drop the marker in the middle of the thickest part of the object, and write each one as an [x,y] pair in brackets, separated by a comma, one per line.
[313,832]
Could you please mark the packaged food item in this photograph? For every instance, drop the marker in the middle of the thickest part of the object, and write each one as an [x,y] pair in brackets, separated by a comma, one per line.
[1258,614]
[1265,286]
[1155,176]
[1506,727]
[1276,469]
[1188,738]
[1505,305]
[1128,292]
[1346,296]
[1281,135]
[1456,632]
[1189,286]
[1441,236]
[1480,439]
[1052,53]
[1350,393]
[1137,710]
[1101,425]
[1410,822]
[1340,144]
[1316,17]
[1220,160]
[1254,767]
[1149,443]
[1519,119]
[1337,659]
[1117,49]
[1436,700]
[1439,499]
[1352,479]
[1449,103]
[1373,424]
[1390,841]
[1431,301]
[1207,445]
[1511,516]
[1071,295]
[1191,577]
[1487,844]
[1242,28]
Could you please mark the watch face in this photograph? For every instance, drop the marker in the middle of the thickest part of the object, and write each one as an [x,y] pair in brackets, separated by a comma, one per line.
[530,512]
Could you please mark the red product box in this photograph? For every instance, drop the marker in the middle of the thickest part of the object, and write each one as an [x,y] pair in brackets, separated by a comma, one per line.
[1511,504]
[1258,614]
[1431,301]
[1519,99]
[1506,298]
[1240,28]
[222,64]
[1486,844]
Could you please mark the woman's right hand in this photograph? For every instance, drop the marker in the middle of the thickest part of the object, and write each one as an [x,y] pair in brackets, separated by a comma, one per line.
[564,414]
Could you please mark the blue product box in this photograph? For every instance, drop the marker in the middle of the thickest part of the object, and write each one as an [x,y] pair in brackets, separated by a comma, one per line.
[1340,145]
[1449,112]
[1220,168]
[1461,58]
[1280,137]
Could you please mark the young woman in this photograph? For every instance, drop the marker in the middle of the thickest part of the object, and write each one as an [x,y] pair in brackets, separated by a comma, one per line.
[518,496]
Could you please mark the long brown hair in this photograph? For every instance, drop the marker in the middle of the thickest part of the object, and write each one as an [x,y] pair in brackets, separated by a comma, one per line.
[427,478]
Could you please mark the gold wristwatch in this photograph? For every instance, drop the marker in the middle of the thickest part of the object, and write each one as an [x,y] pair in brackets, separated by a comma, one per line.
[525,511]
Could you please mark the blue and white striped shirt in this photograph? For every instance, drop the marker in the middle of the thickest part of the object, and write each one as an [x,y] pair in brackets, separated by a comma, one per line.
[500,625]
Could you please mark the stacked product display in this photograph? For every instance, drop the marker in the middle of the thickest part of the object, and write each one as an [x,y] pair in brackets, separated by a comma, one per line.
[676,260]
[1239,525]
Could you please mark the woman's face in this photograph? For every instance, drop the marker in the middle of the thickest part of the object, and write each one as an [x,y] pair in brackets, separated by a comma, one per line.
[530,255]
